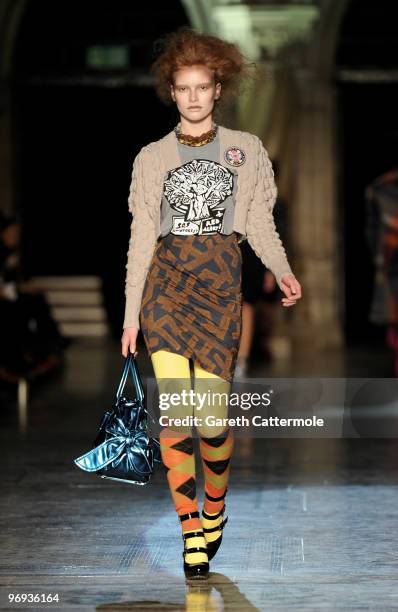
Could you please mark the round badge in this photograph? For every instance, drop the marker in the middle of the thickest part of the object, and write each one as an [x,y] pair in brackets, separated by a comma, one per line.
[234,156]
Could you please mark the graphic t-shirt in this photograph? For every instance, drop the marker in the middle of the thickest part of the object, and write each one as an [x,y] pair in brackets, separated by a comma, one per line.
[199,195]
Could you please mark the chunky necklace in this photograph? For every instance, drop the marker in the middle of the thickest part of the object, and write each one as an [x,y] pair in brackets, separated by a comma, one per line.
[195,141]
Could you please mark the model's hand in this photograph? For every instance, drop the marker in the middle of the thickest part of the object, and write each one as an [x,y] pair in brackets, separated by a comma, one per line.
[129,340]
[291,288]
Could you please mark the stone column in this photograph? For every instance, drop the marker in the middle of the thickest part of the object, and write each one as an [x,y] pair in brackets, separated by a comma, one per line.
[11,12]
[313,217]
[6,200]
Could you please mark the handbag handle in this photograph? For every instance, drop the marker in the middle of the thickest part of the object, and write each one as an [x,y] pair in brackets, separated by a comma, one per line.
[136,377]
[123,378]
[130,364]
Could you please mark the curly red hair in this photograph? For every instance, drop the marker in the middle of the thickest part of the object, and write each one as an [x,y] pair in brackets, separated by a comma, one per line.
[186,47]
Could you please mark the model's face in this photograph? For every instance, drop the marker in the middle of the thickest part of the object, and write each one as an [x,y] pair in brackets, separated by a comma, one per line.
[194,92]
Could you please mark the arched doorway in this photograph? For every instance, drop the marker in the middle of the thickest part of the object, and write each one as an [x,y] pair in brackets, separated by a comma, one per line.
[81,109]
[366,63]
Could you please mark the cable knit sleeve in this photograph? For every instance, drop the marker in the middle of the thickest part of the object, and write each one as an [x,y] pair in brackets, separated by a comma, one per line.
[260,225]
[141,244]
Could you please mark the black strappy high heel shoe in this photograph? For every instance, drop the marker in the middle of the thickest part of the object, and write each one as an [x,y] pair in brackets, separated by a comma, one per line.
[212,547]
[194,571]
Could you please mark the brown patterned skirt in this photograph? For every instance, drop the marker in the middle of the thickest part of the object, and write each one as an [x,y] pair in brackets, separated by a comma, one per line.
[192,300]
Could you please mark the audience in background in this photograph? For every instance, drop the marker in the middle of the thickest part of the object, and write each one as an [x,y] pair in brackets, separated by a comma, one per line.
[31,344]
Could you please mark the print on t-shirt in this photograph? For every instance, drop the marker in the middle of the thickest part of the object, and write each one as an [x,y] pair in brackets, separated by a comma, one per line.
[195,190]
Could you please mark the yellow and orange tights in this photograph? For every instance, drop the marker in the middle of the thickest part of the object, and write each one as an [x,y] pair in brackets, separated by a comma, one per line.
[172,372]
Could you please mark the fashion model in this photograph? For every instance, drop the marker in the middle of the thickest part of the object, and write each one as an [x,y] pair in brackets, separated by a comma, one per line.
[194,195]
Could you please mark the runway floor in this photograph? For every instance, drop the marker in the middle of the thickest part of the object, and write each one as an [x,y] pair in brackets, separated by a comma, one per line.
[312,522]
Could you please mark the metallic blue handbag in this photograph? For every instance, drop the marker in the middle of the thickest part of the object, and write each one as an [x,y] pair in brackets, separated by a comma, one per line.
[123,449]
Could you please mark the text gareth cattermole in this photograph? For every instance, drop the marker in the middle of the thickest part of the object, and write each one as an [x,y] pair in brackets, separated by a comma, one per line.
[187,398]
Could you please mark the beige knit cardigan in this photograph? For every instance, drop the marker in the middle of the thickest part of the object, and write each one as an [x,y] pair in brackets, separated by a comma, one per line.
[253,217]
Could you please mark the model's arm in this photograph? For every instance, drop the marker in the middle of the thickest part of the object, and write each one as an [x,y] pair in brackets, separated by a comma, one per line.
[141,245]
[261,231]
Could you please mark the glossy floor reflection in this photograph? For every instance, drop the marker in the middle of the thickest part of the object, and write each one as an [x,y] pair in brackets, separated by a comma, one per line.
[312,523]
